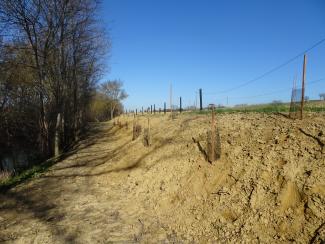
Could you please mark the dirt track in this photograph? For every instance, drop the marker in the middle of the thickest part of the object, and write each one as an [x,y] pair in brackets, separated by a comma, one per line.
[268,186]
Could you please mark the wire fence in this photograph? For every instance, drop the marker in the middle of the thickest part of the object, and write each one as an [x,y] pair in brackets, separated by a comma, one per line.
[291,103]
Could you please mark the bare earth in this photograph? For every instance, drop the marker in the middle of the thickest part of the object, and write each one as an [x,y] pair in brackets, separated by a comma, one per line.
[268,186]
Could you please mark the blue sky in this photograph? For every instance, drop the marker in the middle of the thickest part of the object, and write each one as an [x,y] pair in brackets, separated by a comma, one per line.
[213,45]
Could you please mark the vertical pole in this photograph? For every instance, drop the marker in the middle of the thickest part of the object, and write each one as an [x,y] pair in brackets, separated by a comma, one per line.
[151,109]
[303,87]
[148,131]
[180,105]
[164,107]
[154,108]
[294,99]
[133,121]
[136,111]
[200,91]
[213,135]
[142,110]
[57,137]
[171,99]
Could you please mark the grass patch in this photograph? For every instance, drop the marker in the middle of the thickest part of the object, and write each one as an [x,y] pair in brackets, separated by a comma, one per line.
[315,109]
[265,108]
[35,171]
[25,175]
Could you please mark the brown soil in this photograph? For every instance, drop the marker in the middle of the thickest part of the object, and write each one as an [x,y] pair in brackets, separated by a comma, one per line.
[267,187]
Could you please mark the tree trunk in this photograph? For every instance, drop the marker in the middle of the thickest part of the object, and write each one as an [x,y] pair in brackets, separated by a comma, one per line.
[57,136]
[112,112]
[44,138]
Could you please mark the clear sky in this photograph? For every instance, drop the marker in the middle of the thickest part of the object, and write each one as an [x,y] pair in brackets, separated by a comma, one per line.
[213,45]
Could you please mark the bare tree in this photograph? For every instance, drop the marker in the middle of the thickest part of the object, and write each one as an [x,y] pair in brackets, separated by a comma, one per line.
[115,93]
[57,48]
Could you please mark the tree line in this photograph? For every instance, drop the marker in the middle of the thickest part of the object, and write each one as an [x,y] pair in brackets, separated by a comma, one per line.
[52,55]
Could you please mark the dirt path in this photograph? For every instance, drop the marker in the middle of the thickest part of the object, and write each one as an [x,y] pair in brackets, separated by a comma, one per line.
[267,187]
[84,198]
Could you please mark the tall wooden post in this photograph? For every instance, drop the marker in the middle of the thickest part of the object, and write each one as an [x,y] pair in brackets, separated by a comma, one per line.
[200,91]
[171,100]
[164,107]
[151,109]
[303,87]
[213,135]
[154,108]
[180,104]
[149,131]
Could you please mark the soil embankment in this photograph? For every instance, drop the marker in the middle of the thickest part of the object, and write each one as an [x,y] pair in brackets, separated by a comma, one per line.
[268,186]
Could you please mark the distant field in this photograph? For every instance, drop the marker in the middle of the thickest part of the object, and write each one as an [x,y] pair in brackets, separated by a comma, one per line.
[310,106]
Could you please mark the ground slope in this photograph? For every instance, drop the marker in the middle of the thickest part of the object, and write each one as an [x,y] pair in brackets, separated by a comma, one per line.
[268,186]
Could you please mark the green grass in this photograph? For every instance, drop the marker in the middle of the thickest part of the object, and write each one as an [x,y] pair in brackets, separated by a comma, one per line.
[36,170]
[248,109]
[315,109]
[266,108]
[25,175]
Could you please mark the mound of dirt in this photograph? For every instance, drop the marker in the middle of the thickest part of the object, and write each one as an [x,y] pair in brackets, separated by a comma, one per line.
[267,186]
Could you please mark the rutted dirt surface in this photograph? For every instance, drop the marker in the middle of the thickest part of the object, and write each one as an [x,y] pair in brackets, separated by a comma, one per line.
[267,187]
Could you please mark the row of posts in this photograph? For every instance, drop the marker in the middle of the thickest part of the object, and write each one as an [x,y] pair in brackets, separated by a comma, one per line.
[153,109]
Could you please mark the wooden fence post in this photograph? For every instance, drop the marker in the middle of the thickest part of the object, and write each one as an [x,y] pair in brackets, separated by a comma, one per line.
[171,101]
[303,87]
[200,91]
[180,104]
[213,135]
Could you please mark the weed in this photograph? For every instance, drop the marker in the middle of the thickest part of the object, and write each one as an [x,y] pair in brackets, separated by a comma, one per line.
[11,181]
